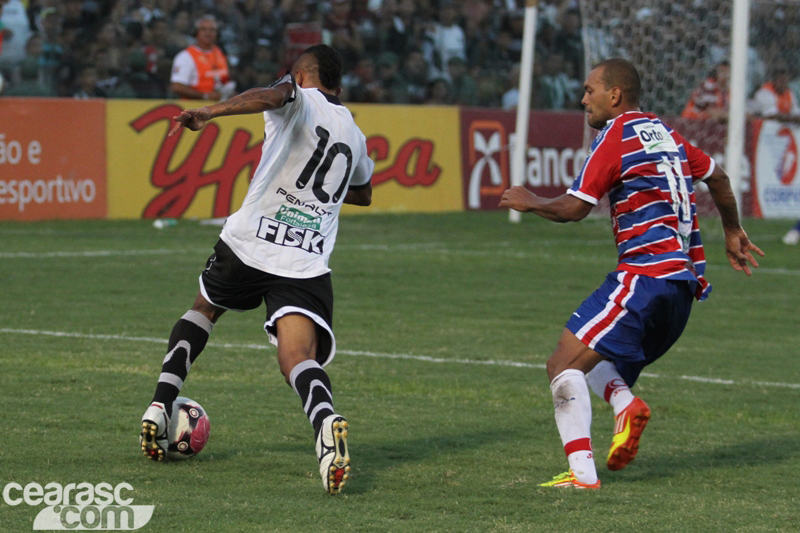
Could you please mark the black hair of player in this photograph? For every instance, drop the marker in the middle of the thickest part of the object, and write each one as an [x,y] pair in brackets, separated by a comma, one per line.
[329,65]
[619,72]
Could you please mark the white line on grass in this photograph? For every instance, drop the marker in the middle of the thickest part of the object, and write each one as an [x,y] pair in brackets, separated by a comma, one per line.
[437,248]
[87,253]
[378,355]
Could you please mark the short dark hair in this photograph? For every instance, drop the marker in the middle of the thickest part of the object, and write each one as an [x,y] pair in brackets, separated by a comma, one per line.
[329,65]
[619,72]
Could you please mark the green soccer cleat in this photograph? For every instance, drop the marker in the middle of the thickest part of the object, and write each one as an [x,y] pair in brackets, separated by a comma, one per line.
[568,479]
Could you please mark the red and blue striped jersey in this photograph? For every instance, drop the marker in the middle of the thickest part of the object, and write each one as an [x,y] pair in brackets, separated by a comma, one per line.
[647,169]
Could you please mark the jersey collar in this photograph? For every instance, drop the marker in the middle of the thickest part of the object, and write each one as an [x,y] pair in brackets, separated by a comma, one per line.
[331,98]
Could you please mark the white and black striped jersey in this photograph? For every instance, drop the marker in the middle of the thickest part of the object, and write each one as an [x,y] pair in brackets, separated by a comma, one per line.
[312,153]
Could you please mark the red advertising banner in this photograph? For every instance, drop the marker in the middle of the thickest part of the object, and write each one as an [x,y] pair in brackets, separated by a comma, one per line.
[556,153]
[52,159]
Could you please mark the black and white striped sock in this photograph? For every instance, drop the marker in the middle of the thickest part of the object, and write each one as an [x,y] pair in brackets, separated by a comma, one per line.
[187,340]
[312,384]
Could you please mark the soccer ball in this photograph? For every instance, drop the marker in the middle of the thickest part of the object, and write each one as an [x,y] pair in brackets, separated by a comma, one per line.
[188,429]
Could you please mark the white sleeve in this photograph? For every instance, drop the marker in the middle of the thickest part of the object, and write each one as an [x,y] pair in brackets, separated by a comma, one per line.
[364,167]
[295,100]
[183,69]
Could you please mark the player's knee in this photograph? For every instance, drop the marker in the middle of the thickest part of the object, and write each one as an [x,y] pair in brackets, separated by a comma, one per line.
[554,367]
[290,358]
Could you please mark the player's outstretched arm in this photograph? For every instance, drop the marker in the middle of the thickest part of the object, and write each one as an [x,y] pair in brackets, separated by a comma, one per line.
[738,247]
[564,208]
[252,101]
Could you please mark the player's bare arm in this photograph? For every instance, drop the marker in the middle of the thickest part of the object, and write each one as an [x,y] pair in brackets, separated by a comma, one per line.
[564,208]
[253,101]
[359,196]
[738,247]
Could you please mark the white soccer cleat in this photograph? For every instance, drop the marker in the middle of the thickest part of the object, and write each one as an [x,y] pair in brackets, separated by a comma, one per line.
[334,459]
[154,437]
[792,237]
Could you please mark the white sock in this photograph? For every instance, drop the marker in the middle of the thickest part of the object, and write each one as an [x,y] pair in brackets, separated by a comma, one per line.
[606,382]
[574,420]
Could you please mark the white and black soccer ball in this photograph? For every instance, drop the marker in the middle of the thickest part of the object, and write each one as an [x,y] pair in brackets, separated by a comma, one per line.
[189,428]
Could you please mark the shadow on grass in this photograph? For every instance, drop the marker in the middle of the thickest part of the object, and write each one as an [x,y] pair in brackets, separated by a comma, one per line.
[371,459]
[748,453]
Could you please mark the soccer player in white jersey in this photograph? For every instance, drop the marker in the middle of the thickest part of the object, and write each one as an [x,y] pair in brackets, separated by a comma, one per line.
[647,170]
[275,248]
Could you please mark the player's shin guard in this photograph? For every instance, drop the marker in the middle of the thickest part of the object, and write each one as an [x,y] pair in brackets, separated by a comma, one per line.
[573,409]
[310,381]
[188,338]
[606,382]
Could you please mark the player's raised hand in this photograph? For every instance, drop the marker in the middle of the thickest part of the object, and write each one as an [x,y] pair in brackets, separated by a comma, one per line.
[193,119]
[739,250]
[517,198]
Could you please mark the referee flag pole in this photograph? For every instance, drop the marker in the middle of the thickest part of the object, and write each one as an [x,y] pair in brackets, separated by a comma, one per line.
[520,144]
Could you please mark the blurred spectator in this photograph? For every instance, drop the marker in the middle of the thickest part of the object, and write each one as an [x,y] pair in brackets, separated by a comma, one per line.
[147,12]
[262,63]
[463,88]
[774,100]
[400,28]
[510,99]
[416,74]
[557,88]
[87,85]
[361,85]
[14,33]
[489,91]
[201,71]
[265,24]
[299,11]
[478,31]
[341,32]
[182,34]
[394,89]
[109,39]
[107,77]
[366,25]
[509,39]
[231,28]
[52,61]
[438,92]
[138,82]
[448,37]
[569,41]
[30,84]
[710,98]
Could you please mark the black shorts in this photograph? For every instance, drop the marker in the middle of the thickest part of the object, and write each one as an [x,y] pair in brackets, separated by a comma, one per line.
[228,283]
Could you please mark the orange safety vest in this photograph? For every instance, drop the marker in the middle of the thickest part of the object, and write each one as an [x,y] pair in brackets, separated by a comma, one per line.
[212,68]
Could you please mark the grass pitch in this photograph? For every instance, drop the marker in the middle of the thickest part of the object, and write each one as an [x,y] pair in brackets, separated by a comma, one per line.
[443,325]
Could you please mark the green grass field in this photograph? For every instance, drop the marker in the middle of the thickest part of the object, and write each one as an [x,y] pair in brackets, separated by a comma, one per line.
[443,325]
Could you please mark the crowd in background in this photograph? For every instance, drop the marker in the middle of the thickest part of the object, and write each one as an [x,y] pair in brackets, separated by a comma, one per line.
[395,51]
[464,52]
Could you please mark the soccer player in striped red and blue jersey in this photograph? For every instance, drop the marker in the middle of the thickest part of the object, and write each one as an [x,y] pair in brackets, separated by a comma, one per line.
[647,170]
